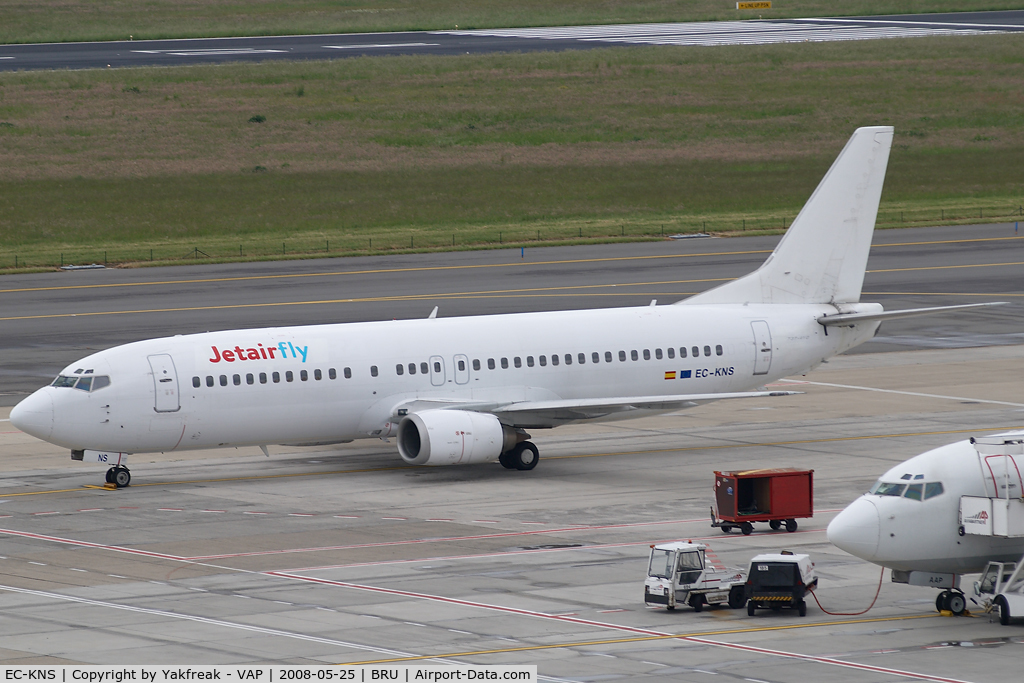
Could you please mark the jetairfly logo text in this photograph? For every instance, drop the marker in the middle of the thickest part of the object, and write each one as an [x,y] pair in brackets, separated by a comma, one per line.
[283,351]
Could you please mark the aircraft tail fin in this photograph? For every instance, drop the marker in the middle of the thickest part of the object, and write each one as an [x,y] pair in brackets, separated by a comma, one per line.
[823,255]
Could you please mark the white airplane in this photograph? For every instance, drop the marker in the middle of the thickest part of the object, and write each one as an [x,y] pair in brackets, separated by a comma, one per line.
[941,514]
[465,390]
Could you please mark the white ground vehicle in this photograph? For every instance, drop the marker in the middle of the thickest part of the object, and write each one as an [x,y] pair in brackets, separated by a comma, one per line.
[780,580]
[679,574]
[1004,581]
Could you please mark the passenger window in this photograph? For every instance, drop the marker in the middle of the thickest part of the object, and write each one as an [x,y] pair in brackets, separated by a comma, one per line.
[249,378]
[504,363]
[263,378]
[607,356]
[303,375]
[695,351]
[476,363]
[517,361]
[85,383]
[543,360]
[196,382]
[276,377]
[101,381]
[223,380]
[289,377]
[707,351]
[462,365]
[568,359]
[317,375]
[671,352]
[412,369]
[914,491]
[647,354]
[237,380]
[424,368]
[622,356]
[209,380]
[554,359]
[595,357]
[332,373]
[373,372]
[490,363]
[348,373]
[400,369]
[657,354]
[682,352]
[719,350]
[529,361]
[634,355]
[581,358]
[932,489]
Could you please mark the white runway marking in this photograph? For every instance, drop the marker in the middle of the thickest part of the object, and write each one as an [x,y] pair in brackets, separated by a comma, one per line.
[727,32]
[910,393]
[210,52]
[378,45]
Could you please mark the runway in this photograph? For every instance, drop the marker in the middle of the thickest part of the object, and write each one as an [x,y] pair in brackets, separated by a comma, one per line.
[52,319]
[120,54]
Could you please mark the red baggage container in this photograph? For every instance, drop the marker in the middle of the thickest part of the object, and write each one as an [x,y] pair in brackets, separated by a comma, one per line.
[777,496]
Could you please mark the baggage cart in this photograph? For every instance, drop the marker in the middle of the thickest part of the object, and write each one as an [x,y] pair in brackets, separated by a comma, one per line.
[778,496]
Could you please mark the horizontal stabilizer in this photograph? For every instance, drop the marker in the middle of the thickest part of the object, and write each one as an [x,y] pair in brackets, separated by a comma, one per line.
[851,318]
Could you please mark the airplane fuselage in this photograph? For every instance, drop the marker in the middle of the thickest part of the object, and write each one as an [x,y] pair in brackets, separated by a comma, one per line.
[334,383]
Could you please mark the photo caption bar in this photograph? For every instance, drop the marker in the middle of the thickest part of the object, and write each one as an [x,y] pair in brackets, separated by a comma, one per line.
[268,674]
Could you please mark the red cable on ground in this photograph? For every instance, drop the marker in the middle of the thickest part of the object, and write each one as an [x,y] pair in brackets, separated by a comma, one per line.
[853,614]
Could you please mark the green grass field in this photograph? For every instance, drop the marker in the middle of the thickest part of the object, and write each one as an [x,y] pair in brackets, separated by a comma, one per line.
[25,21]
[368,155]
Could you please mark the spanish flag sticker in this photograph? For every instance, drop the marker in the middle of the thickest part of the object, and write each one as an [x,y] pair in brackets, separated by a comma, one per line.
[670,375]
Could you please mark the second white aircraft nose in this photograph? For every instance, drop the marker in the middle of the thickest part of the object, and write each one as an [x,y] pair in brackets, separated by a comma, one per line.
[856,529]
[34,415]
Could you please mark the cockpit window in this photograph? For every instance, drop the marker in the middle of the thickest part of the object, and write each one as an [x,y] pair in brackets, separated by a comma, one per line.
[914,491]
[932,489]
[82,383]
[883,488]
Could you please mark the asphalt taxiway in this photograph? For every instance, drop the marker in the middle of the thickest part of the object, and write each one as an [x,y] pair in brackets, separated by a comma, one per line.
[344,554]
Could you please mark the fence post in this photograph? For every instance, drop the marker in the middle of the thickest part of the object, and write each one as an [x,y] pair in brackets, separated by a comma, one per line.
[150,254]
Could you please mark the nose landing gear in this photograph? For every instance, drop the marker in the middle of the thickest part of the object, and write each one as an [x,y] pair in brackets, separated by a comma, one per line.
[951,601]
[119,476]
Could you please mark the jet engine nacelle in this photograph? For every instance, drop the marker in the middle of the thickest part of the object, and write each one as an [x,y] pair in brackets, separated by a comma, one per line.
[452,437]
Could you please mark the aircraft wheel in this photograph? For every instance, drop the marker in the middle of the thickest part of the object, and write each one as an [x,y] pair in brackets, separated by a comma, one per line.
[751,608]
[956,604]
[801,608]
[790,525]
[697,603]
[736,597]
[122,477]
[527,456]
[775,524]
[747,528]
[507,459]
[110,476]
[942,601]
[1004,611]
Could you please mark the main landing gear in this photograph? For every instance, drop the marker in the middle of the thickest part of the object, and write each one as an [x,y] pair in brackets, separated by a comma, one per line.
[119,476]
[951,601]
[523,456]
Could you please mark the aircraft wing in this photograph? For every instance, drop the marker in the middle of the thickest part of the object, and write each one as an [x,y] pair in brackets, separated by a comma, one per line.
[549,413]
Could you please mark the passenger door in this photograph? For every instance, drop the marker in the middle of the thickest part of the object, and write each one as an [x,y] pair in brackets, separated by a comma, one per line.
[762,347]
[437,371]
[165,383]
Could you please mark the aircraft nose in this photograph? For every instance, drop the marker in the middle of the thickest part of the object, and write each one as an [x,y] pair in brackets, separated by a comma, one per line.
[856,529]
[34,415]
